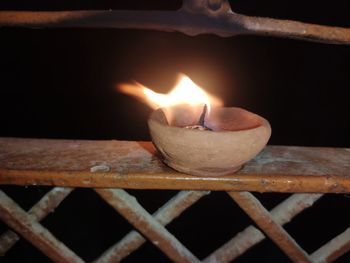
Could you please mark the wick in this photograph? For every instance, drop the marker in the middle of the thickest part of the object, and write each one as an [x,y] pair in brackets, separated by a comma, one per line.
[202,118]
[200,124]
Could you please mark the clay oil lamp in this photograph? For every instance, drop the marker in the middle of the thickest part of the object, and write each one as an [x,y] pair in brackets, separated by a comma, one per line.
[196,135]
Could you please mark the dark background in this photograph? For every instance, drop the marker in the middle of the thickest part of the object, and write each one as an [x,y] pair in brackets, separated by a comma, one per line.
[60,83]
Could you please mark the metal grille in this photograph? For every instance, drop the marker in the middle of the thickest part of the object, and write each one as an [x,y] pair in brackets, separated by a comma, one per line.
[41,158]
[278,169]
[152,227]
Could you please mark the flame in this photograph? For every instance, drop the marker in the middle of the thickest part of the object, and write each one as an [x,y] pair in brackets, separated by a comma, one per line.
[184,92]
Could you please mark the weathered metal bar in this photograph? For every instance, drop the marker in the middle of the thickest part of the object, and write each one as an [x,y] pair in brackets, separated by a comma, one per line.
[275,231]
[195,17]
[130,164]
[24,224]
[334,249]
[40,210]
[250,236]
[128,207]
[164,215]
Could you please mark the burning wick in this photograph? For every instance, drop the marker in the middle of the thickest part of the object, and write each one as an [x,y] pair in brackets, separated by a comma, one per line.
[202,117]
[185,92]
[201,125]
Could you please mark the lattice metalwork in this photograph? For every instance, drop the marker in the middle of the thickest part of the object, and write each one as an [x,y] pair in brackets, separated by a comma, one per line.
[297,170]
[118,164]
[152,227]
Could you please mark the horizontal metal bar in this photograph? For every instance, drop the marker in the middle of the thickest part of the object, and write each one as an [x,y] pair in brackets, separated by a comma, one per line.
[25,225]
[130,164]
[196,17]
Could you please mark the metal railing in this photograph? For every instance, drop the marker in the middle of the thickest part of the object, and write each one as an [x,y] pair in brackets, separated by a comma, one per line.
[109,166]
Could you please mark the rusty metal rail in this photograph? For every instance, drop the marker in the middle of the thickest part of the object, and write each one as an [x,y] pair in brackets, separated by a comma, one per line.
[193,18]
[109,166]
[119,164]
[135,165]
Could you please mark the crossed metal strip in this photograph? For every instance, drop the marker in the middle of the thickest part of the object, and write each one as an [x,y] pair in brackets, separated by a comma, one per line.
[335,248]
[24,224]
[164,215]
[265,221]
[281,214]
[39,211]
[128,207]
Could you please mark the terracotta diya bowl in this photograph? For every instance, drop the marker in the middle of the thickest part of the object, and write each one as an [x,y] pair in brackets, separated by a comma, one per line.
[235,136]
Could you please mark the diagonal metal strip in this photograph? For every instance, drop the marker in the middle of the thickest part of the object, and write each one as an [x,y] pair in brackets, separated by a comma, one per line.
[40,210]
[24,224]
[128,207]
[334,249]
[164,215]
[282,214]
[265,221]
